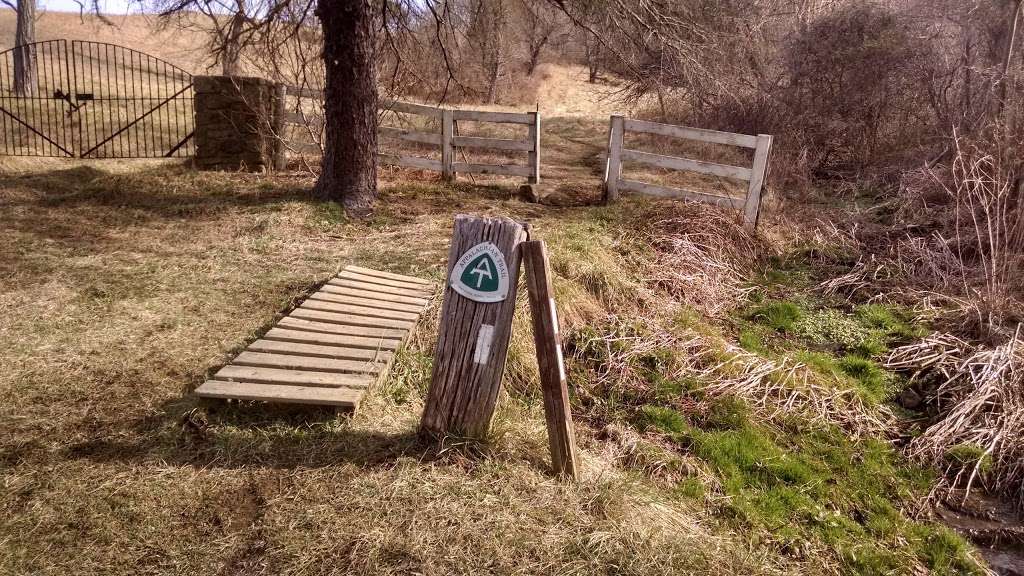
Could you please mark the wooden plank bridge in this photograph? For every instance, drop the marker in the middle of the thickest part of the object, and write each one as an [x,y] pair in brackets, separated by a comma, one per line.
[332,347]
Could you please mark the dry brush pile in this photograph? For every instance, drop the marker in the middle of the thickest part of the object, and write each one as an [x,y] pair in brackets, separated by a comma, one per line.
[978,437]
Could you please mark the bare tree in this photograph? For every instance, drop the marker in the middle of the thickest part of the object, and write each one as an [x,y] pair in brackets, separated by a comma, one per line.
[541,24]
[487,33]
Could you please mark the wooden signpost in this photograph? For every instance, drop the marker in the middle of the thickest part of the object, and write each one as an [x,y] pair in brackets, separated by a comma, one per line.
[561,437]
[476,324]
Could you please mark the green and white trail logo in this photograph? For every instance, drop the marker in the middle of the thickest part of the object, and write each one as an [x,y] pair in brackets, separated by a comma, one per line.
[481,274]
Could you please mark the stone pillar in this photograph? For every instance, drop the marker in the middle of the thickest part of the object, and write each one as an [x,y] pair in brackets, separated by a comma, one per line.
[235,116]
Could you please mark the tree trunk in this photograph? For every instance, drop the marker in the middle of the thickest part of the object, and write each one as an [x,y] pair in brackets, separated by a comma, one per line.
[231,52]
[1006,79]
[24,59]
[349,168]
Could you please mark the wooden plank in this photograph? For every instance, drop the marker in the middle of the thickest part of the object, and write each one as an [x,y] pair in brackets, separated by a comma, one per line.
[370,302]
[287,362]
[447,152]
[613,167]
[752,207]
[499,169]
[378,288]
[390,276]
[666,192]
[356,276]
[293,323]
[675,163]
[472,342]
[499,117]
[303,147]
[548,340]
[533,160]
[714,136]
[287,377]
[409,135]
[303,92]
[320,351]
[307,313]
[379,296]
[337,308]
[410,161]
[302,337]
[409,107]
[492,143]
[341,397]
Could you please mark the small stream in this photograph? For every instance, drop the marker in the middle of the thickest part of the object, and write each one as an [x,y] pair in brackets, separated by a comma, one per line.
[994,526]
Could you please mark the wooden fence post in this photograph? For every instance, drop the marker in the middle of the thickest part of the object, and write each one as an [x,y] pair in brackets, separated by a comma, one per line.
[277,126]
[475,326]
[613,169]
[447,133]
[561,436]
[534,160]
[752,207]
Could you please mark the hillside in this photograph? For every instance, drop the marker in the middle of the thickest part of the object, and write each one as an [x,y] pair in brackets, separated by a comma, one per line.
[183,48]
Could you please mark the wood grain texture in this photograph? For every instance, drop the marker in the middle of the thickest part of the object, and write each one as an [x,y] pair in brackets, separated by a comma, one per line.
[286,335]
[533,160]
[714,136]
[391,275]
[498,117]
[368,302]
[288,362]
[752,207]
[463,391]
[341,397]
[613,167]
[320,351]
[297,377]
[666,192]
[330,341]
[307,313]
[298,323]
[358,277]
[674,163]
[561,434]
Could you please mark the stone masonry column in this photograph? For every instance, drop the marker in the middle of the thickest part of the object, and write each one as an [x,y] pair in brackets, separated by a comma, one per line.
[235,116]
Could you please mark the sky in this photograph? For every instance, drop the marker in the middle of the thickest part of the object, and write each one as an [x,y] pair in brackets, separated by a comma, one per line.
[107,6]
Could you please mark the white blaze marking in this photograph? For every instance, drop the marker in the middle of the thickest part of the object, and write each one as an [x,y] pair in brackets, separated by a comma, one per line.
[558,348]
[483,344]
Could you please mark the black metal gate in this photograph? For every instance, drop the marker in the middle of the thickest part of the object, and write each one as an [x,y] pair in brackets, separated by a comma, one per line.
[94,100]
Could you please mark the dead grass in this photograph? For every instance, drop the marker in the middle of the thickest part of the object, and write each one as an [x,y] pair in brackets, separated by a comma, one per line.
[123,286]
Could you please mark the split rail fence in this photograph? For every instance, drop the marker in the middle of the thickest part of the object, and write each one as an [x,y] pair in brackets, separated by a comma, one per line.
[754,175]
[447,139]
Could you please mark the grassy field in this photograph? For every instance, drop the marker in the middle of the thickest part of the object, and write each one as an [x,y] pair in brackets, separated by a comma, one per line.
[124,284]
[733,417]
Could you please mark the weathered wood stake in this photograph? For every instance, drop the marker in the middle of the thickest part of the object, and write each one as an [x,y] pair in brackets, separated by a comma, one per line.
[561,436]
[472,340]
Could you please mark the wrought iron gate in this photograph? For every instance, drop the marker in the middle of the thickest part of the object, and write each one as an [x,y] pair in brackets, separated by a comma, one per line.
[94,100]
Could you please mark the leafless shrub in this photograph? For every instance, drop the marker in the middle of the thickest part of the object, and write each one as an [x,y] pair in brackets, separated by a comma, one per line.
[976,247]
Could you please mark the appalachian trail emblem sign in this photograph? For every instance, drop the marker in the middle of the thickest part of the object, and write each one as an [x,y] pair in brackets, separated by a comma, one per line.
[481,274]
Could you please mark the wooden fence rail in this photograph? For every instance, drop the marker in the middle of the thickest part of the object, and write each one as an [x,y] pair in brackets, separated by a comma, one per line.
[754,176]
[447,139]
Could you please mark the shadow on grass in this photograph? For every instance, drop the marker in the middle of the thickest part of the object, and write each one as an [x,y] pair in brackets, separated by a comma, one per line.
[188,431]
